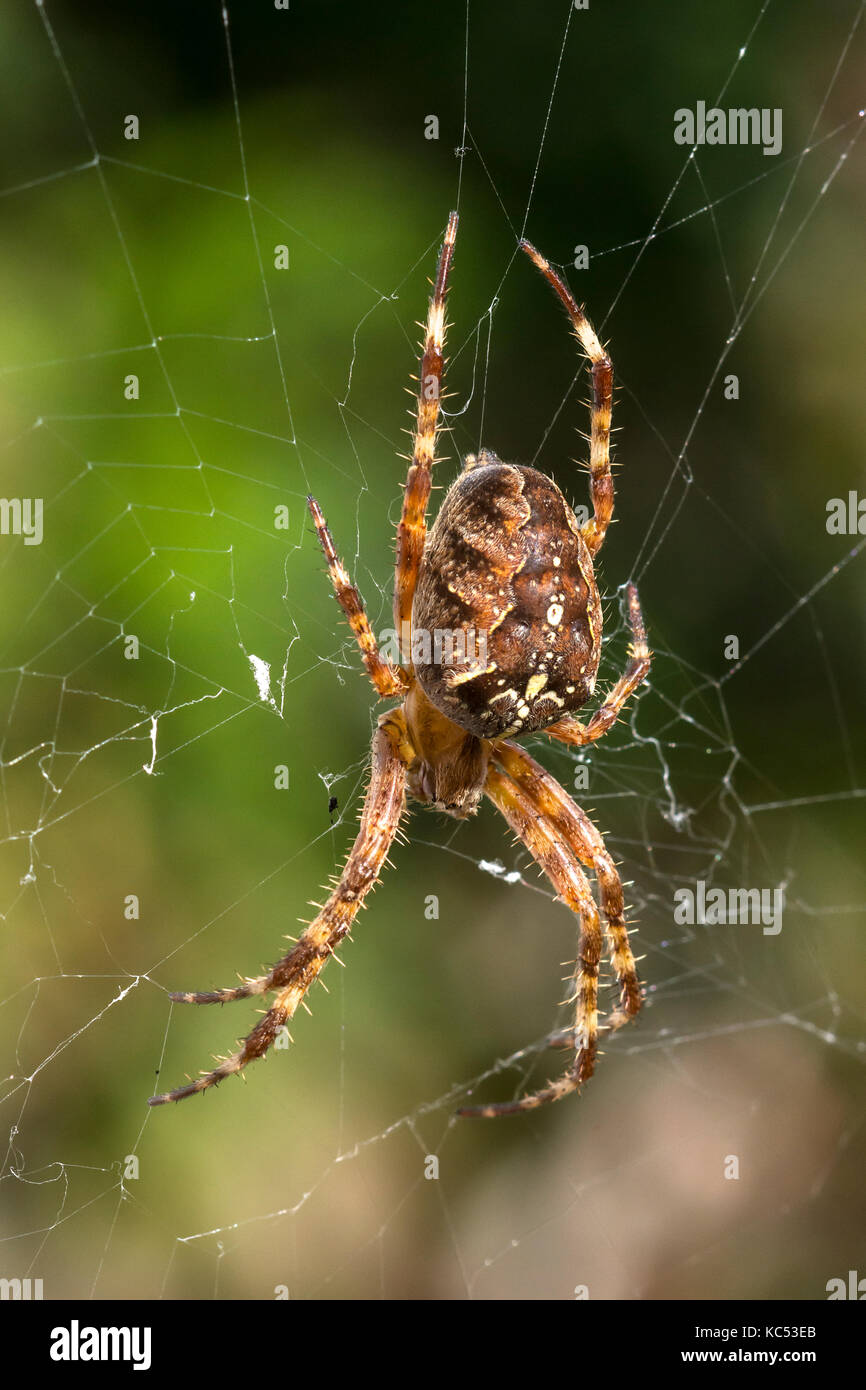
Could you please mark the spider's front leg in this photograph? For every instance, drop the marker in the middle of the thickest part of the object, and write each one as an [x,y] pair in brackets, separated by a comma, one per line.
[600,478]
[295,973]
[412,528]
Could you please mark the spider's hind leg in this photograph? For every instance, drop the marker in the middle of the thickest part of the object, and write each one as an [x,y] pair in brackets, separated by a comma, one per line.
[559,863]
[584,840]
[558,833]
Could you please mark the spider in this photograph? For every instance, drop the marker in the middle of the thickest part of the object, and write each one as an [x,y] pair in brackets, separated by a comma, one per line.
[507,559]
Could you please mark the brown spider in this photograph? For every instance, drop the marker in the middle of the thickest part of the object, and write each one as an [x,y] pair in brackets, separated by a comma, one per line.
[506,559]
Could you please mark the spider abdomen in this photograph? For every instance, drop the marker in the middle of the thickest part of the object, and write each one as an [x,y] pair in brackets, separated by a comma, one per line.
[506,567]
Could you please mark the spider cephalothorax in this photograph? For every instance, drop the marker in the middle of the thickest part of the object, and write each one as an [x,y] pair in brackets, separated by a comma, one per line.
[502,592]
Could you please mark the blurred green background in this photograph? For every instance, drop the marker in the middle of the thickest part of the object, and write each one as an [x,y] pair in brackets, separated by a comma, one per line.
[155,257]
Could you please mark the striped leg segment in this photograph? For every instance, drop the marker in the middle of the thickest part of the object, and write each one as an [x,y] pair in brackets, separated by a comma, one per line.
[412,530]
[601,481]
[291,977]
[553,854]
[574,827]
[570,730]
[387,680]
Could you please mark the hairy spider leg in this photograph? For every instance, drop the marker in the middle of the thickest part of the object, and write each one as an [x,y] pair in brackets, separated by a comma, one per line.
[553,854]
[292,976]
[412,530]
[387,679]
[601,481]
[584,839]
[571,730]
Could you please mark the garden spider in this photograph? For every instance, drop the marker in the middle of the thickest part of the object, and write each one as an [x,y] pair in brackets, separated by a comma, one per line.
[506,559]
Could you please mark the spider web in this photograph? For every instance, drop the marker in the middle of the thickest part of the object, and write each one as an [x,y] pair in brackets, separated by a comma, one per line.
[167,648]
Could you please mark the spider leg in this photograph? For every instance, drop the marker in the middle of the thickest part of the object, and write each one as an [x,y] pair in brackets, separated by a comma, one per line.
[574,827]
[601,481]
[295,973]
[387,679]
[412,530]
[571,730]
[554,855]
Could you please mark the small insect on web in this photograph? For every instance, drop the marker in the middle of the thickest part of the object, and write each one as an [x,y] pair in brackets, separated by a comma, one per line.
[506,561]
